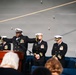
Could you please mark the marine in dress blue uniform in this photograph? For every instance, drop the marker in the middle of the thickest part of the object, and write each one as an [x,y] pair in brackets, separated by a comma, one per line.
[59,49]
[20,42]
[39,49]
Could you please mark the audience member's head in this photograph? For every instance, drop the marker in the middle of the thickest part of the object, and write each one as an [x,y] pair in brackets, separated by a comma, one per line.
[54,66]
[41,71]
[10,60]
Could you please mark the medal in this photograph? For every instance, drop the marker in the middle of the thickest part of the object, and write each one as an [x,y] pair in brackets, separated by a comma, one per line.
[21,41]
[42,46]
[6,47]
[61,48]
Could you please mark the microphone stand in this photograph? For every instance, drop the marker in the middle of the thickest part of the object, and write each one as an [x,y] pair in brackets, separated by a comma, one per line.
[30,52]
[30,60]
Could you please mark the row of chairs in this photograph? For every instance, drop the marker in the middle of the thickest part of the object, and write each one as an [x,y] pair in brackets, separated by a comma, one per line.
[70,65]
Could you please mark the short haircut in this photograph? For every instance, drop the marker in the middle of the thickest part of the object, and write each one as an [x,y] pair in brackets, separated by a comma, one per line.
[10,59]
[41,71]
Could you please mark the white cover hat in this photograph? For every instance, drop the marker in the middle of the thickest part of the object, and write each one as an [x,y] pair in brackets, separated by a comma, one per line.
[18,30]
[38,34]
[58,36]
[4,36]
